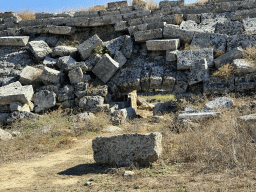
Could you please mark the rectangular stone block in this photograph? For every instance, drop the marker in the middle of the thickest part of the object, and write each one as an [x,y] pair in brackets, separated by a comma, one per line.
[86,48]
[186,58]
[239,15]
[14,41]
[245,82]
[198,71]
[199,115]
[163,44]
[242,41]
[243,66]
[135,14]
[121,26]
[148,35]
[60,30]
[52,76]
[171,55]
[249,24]
[10,95]
[39,49]
[105,68]
[123,150]
[86,14]
[31,22]
[30,75]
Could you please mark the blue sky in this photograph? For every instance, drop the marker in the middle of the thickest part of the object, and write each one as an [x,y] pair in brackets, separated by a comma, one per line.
[53,5]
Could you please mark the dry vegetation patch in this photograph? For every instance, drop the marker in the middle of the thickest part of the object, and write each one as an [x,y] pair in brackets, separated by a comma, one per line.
[26,14]
[151,4]
[224,71]
[198,2]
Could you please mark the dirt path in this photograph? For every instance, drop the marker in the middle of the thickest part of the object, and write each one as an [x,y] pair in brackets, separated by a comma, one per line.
[28,173]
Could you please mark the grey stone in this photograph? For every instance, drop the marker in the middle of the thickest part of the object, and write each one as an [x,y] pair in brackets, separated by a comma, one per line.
[243,66]
[30,75]
[194,27]
[52,76]
[245,82]
[90,103]
[162,108]
[14,84]
[198,71]
[249,24]
[105,68]
[64,62]
[22,94]
[128,173]
[164,44]
[76,75]
[16,106]
[242,41]
[49,62]
[120,58]
[228,57]
[60,30]
[4,135]
[15,133]
[198,115]
[186,58]
[193,17]
[14,41]
[229,28]
[121,115]
[127,47]
[207,40]
[85,49]
[115,44]
[123,150]
[66,93]
[220,102]
[84,116]
[20,115]
[247,123]
[4,117]
[61,51]
[171,55]
[44,100]
[86,14]
[92,61]
[135,14]
[121,26]
[40,49]
[148,35]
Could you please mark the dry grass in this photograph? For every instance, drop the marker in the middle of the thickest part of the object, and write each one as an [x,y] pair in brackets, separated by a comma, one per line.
[178,19]
[250,53]
[224,71]
[151,4]
[26,14]
[190,47]
[97,8]
[218,53]
[198,2]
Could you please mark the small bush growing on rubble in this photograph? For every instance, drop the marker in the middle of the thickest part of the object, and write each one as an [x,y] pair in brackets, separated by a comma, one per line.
[178,19]
[101,50]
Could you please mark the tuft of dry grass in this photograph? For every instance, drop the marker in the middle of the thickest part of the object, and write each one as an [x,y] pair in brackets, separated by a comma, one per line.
[250,53]
[97,8]
[178,19]
[151,4]
[190,47]
[198,2]
[224,71]
[26,14]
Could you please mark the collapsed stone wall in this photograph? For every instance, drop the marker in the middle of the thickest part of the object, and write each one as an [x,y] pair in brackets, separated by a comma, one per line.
[144,51]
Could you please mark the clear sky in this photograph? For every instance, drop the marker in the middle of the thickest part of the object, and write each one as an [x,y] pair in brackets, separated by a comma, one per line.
[54,5]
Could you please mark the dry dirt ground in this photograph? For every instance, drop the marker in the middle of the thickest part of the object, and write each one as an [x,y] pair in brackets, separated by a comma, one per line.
[70,169]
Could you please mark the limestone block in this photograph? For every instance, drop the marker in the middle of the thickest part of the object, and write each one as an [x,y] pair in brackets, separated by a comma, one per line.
[90,103]
[163,4]
[198,71]
[121,115]
[242,41]
[148,35]
[163,44]
[194,27]
[171,55]
[66,93]
[51,76]
[4,135]
[85,49]
[49,62]
[10,95]
[84,116]
[135,14]
[78,21]
[239,15]
[14,84]
[220,102]
[30,75]
[117,4]
[114,44]
[249,24]
[133,29]
[163,108]
[127,9]
[45,15]
[193,17]
[109,12]
[92,61]
[76,75]
[31,22]
[243,66]
[64,62]
[198,115]
[38,29]
[207,40]
[245,82]
[14,41]
[40,49]
[44,100]
[105,68]
[228,57]
[120,58]
[121,26]
[86,14]
[171,32]
[61,51]
[60,30]
[17,106]
[186,58]
[229,28]
[123,150]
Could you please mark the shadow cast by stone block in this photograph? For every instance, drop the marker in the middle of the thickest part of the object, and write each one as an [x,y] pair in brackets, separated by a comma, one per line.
[84,169]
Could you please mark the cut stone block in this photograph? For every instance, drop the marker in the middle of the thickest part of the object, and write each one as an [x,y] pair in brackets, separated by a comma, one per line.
[171,55]
[221,102]
[249,24]
[10,95]
[64,62]
[198,71]
[247,123]
[105,68]
[243,66]
[30,75]
[245,82]
[14,41]
[127,47]
[40,49]
[121,26]
[186,58]
[124,150]
[90,103]
[49,62]
[198,115]
[228,57]
[52,76]
[44,100]
[60,30]
[92,61]
[61,51]
[194,27]
[193,17]
[207,40]
[148,35]
[242,41]
[85,49]
[17,106]
[76,75]
[229,28]
[115,44]
[120,58]
[164,44]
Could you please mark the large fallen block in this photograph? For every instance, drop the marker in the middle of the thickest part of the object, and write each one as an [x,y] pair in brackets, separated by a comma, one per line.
[148,35]
[61,51]
[243,66]
[249,24]
[10,95]
[123,150]
[115,44]
[40,49]
[30,75]
[105,68]
[60,30]
[91,103]
[163,44]
[14,41]
[52,76]
[220,102]
[245,82]
[242,41]
[198,71]
[198,115]
[44,100]
[85,49]
[186,58]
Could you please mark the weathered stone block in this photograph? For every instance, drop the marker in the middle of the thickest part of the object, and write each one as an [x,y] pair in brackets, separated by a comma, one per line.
[61,51]
[10,95]
[118,4]
[92,61]
[64,62]
[243,66]
[30,75]
[249,24]
[198,71]
[49,62]
[220,102]
[44,100]
[52,76]
[76,75]
[243,41]
[165,44]
[229,28]
[198,115]
[120,58]
[89,103]
[193,17]
[127,47]
[245,82]
[114,44]
[186,58]
[105,68]
[171,55]
[85,49]
[148,35]
[121,26]
[123,150]
[60,30]
[14,41]
[40,49]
